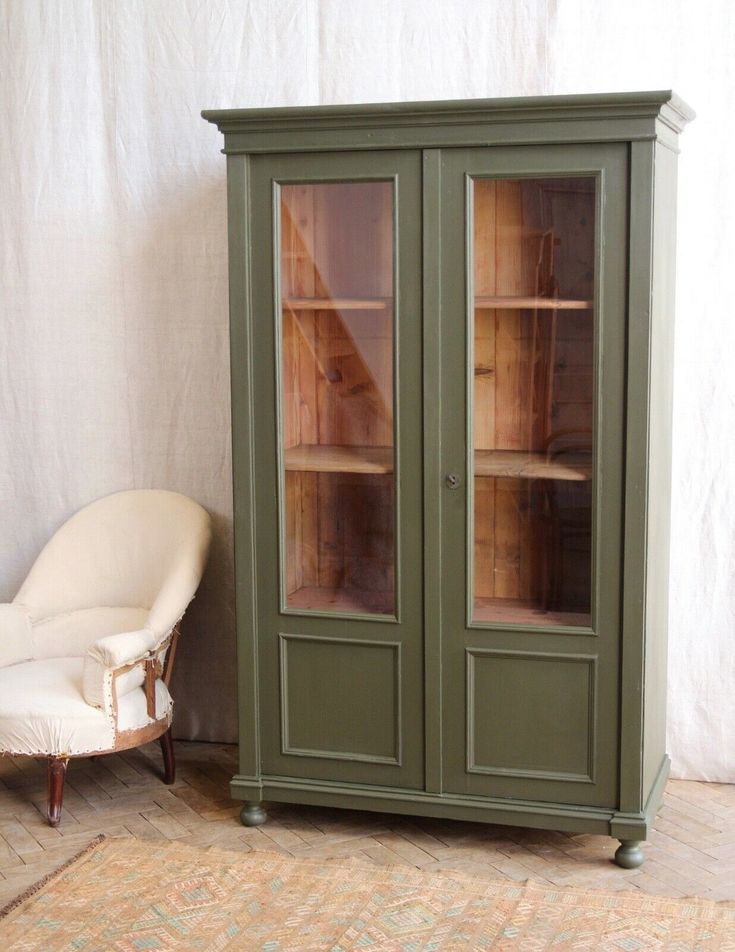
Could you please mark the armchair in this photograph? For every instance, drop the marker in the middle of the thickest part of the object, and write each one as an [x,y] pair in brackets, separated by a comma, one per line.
[87,645]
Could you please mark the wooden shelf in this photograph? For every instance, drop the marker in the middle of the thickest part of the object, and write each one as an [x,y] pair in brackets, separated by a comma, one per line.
[532,303]
[311,598]
[336,304]
[519,465]
[311,458]
[511,611]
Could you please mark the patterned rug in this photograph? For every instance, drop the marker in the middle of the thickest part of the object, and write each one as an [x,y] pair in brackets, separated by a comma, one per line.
[123,895]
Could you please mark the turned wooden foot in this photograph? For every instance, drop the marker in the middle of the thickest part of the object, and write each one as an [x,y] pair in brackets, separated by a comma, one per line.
[56,777]
[169,762]
[629,854]
[253,814]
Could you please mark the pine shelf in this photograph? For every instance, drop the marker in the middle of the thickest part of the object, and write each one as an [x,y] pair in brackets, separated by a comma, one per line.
[313,458]
[517,464]
[532,303]
[336,304]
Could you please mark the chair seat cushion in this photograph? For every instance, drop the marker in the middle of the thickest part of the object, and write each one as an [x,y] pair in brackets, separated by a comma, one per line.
[42,710]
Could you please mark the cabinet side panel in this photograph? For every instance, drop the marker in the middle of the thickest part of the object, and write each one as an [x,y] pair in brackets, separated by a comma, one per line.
[659,482]
[242,460]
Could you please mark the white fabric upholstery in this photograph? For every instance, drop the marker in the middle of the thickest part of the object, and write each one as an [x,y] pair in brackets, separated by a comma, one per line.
[114,651]
[136,549]
[132,709]
[107,654]
[42,710]
[15,634]
[104,593]
[71,633]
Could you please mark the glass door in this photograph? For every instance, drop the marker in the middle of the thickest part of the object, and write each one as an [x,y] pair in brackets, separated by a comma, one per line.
[337,366]
[337,337]
[532,343]
[532,458]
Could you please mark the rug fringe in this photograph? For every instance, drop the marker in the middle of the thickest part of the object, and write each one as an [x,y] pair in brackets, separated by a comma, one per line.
[36,887]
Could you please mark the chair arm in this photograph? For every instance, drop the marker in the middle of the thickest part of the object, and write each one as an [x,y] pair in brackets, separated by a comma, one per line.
[15,634]
[116,660]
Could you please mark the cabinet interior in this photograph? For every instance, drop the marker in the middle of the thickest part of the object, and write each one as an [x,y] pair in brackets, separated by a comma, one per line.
[531,401]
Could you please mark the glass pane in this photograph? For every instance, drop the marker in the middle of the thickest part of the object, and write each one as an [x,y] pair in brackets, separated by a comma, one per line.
[534,278]
[337,400]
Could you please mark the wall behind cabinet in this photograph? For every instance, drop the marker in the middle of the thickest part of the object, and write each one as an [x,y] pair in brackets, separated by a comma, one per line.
[113,314]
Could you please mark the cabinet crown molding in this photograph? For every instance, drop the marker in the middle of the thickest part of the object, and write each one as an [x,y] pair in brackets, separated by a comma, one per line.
[653,104]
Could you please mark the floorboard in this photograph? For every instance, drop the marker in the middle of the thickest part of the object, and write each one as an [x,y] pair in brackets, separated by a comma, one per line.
[691,851]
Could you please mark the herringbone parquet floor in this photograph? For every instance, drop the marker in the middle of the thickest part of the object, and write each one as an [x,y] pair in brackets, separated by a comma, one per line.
[690,852]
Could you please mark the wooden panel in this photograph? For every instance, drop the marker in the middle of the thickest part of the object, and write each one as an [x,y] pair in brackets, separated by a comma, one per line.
[484,532]
[514,611]
[576,467]
[357,684]
[548,700]
[534,303]
[316,458]
[335,304]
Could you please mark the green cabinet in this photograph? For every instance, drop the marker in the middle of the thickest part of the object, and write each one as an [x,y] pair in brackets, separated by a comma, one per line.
[451,329]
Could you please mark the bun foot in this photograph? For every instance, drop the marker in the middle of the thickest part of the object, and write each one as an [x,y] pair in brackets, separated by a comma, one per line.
[253,814]
[629,854]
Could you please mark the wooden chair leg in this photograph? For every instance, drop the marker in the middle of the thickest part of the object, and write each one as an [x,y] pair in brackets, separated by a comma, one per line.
[169,763]
[56,777]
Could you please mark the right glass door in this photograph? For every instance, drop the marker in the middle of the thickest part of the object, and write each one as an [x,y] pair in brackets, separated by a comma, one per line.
[533,286]
[532,421]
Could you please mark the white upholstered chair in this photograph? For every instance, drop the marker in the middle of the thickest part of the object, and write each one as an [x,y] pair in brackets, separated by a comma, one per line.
[87,644]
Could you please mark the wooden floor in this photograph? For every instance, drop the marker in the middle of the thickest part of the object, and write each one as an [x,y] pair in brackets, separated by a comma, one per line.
[691,851]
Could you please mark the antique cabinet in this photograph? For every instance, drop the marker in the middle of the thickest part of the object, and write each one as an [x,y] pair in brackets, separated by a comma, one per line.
[451,330]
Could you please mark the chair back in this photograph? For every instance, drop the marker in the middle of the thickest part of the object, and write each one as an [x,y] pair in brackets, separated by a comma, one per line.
[135,549]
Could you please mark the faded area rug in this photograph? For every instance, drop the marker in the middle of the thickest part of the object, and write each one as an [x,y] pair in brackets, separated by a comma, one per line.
[132,896]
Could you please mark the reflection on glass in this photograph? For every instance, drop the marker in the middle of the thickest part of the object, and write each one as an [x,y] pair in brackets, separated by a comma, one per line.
[533,268]
[337,396]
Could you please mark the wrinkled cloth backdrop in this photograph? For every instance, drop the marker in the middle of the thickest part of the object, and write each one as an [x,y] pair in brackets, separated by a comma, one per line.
[113,281]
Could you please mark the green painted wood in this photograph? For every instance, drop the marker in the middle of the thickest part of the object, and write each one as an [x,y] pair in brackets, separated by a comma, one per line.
[348,751]
[462,639]
[430,655]
[596,117]
[661,396]
[432,475]
[531,715]
[253,814]
[636,825]
[238,226]
[503,811]
[629,854]
[510,108]
[636,477]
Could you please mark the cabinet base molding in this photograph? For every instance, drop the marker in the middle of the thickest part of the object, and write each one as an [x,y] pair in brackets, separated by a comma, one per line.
[630,828]
[383,799]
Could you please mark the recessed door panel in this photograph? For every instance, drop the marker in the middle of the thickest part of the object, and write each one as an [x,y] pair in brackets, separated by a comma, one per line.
[346,676]
[533,279]
[337,334]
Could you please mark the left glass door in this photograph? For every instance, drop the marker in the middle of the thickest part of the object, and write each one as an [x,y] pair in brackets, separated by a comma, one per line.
[336,334]
[337,365]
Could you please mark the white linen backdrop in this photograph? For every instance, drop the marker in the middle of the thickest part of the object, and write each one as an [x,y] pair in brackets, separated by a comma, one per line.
[113,282]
